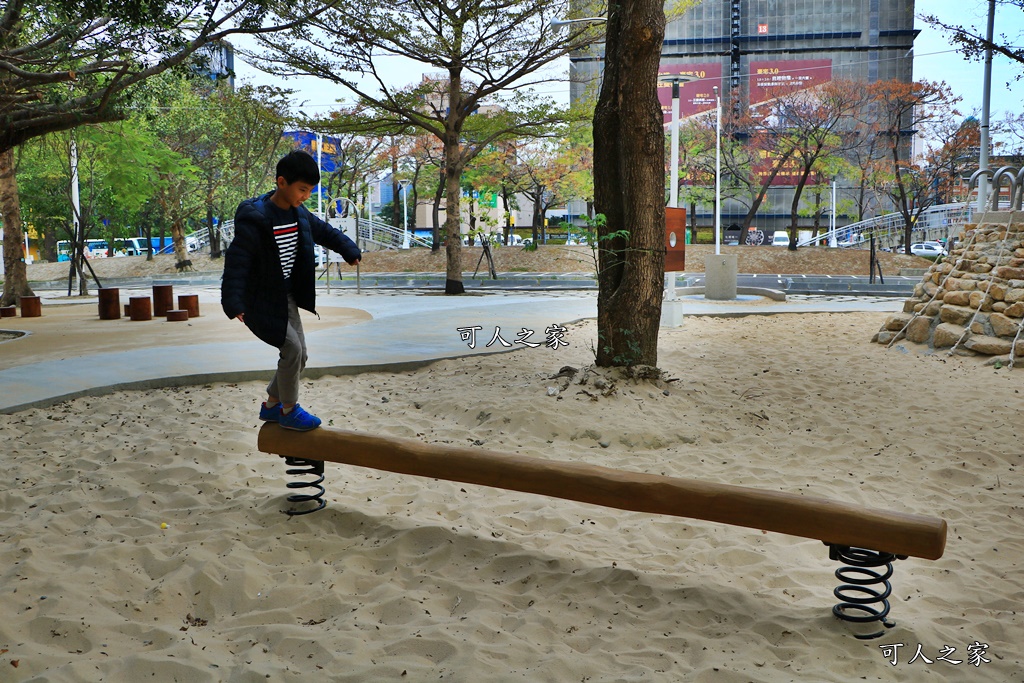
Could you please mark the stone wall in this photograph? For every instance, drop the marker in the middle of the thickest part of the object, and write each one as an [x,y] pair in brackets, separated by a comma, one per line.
[971,302]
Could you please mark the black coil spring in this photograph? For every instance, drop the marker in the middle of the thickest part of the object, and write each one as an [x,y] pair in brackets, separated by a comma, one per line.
[865,590]
[305,467]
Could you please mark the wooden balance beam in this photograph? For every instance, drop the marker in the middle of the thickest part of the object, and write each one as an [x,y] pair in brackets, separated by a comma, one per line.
[830,521]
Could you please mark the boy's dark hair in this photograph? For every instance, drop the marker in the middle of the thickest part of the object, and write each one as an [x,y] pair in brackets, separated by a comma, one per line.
[298,165]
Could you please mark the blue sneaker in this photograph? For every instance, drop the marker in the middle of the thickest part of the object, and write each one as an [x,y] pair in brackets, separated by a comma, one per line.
[271,414]
[298,419]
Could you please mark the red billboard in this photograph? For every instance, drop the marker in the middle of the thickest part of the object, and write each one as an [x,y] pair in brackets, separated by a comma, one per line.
[695,96]
[768,80]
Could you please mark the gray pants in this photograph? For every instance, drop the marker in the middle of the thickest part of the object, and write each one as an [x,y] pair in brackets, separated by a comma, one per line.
[292,361]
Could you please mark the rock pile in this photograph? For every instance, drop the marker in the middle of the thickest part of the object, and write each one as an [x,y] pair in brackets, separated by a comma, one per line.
[971,302]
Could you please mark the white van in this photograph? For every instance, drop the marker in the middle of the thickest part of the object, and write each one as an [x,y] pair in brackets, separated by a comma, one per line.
[780,239]
[130,246]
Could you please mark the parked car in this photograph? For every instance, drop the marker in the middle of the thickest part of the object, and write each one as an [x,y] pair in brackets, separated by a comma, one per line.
[780,239]
[927,249]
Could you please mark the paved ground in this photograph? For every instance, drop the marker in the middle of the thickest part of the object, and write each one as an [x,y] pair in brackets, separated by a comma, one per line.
[387,330]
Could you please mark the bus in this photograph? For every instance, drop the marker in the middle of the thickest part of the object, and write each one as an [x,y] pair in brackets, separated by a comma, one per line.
[93,249]
[129,246]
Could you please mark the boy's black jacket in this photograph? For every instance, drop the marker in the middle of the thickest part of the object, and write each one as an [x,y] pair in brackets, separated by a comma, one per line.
[253,282]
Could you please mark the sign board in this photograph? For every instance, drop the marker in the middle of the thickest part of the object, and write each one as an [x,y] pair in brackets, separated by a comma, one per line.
[770,79]
[330,160]
[675,240]
[695,96]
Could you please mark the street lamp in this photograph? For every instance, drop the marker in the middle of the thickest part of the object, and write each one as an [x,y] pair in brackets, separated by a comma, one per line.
[557,24]
[319,167]
[405,214]
[718,172]
[986,102]
[675,80]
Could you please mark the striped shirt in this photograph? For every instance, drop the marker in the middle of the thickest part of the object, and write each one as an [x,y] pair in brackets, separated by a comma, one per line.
[287,238]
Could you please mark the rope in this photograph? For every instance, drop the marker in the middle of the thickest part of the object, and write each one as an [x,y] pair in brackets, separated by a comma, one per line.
[967,328]
[902,333]
[1013,346]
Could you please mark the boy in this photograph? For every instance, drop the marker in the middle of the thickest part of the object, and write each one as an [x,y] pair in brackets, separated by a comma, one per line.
[269,274]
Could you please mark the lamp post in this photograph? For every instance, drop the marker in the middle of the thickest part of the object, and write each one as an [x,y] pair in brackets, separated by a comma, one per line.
[557,24]
[405,214]
[718,171]
[675,80]
[832,219]
[986,102]
[319,168]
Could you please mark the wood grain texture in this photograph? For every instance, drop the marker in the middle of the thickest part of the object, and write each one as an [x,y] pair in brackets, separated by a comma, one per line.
[809,517]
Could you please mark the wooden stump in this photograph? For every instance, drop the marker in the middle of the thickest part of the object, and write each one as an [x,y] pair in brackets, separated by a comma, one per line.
[139,308]
[163,299]
[127,310]
[176,315]
[31,307]
[8,311]
[110,303]
[190,303]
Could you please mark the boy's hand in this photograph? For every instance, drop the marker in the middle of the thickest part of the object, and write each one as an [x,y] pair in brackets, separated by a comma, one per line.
[355,262]
[241,317]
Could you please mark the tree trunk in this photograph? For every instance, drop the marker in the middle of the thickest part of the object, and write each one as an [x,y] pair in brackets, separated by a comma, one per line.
[452,223]
[794,213]
[756,204]
[629,186]
[15,273]
[180,250]
[693,222]
[214,232]
[436,213]
[538,216]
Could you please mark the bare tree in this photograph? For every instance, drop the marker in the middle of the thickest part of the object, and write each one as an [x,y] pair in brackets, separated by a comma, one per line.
[897,109]
[972,40]
[481,50]
[813,124]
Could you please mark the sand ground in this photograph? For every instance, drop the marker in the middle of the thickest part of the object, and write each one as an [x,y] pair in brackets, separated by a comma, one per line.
[410,579]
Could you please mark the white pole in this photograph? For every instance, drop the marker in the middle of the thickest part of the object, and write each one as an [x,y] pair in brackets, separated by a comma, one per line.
[986,101]
[832,222]
[718,172]
[405,218]
[75,199]
[319,167]
[673,191]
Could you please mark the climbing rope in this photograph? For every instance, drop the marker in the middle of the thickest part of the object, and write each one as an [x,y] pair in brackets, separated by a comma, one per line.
[999,256]
[941,288]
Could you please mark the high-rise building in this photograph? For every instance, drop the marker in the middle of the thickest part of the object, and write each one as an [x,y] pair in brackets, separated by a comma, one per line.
[216,61]
[749,47]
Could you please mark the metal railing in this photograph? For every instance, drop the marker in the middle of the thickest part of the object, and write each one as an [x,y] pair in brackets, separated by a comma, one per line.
[934,223]
[995,201]
[384,236]
[371,233]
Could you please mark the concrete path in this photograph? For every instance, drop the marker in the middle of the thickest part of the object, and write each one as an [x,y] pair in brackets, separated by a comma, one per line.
[407,330]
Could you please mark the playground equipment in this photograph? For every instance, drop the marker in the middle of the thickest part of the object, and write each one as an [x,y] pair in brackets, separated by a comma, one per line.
[866,540]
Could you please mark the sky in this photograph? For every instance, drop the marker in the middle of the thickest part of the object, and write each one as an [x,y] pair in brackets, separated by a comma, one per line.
[934,59]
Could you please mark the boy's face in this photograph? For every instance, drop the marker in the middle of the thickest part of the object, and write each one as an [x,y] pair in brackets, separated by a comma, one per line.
[293,194]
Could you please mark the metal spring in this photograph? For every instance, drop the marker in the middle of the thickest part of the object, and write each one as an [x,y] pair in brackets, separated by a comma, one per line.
[865,588]
[305,467]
